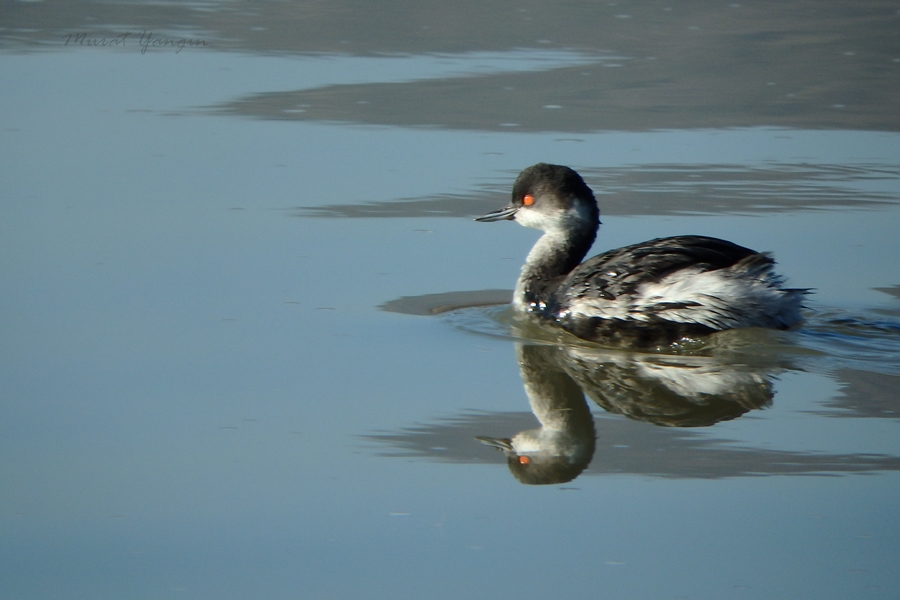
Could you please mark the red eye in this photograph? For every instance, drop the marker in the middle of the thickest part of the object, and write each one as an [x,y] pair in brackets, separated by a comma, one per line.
[528,200]
[524,460]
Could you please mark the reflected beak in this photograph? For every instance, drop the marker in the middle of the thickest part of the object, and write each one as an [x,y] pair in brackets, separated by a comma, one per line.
[502,444]
[508,213]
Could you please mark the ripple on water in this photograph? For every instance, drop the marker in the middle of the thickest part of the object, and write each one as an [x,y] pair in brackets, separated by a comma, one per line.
[829,339]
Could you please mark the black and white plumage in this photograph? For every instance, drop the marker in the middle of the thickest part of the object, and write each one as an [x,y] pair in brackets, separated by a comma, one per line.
[649,293]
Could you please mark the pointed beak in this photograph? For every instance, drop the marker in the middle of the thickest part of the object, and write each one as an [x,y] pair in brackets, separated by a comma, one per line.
[508,213]
[502,444]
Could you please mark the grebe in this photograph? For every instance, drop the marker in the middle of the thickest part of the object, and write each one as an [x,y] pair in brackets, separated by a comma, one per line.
[655,292]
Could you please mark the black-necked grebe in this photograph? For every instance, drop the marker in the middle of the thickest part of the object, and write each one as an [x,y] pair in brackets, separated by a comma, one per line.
[649,293]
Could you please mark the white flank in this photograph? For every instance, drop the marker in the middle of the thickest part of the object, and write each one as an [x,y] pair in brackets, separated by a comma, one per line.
[721,299]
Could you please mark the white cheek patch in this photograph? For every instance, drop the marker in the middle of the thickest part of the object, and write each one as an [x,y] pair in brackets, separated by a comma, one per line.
[528,442]
[529,218]
[578,218]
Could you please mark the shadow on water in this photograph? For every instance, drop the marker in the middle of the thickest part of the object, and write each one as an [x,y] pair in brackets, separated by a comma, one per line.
[689,386]
[669,189]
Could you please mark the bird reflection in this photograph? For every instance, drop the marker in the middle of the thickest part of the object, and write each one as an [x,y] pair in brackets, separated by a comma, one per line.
[562,447]
[667,390]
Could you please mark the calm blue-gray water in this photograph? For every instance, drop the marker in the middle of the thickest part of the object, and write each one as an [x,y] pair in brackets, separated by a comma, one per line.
[249,332]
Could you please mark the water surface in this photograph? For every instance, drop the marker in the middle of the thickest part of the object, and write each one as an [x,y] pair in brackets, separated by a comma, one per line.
[249,335]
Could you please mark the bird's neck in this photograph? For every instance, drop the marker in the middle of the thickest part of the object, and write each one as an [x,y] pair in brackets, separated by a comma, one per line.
[554,256]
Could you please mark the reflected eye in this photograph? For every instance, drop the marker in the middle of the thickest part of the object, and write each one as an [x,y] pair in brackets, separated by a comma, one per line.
[524,460]
[528,200]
